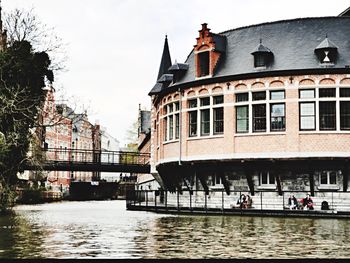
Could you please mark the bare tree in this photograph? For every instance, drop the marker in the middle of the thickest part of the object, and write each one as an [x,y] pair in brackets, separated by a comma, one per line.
[24,25]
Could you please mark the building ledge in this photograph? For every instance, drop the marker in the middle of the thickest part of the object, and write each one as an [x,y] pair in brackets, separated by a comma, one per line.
[259,134]
[328,187]
[205,137]
[216,187]
[266,187]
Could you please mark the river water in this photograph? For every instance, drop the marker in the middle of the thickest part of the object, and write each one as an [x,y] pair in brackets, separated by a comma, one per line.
[105,229]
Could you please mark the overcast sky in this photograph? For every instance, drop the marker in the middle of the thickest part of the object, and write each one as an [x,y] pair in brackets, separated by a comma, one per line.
[114,46]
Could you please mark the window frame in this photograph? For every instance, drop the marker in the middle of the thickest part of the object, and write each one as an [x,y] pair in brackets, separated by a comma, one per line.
[324,115]
[300,116]
[246,118]
[205,108]
[328,178]
[341,115]
[171,131]
[203,64]
[268,179]
[255,119]
[283,117]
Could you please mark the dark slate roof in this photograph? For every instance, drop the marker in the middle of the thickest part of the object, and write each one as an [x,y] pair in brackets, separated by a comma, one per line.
[165,62]
[220,42]
[166,78]
[261,49]
[346,12]
[326,43]
[156,88]
[178,66]
[291,41]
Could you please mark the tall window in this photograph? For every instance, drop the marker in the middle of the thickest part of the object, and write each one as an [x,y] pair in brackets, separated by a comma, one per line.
[278,117]
[277,111]
[203,58]
[259,117]
[344,109]
[205,122]
[307,110]
[327,115]
[171,126]
[192,116]
[171,121]
[218,113]
[165,125]
[259,112]
[307,116]
[177,126]
[242,119]
[205,116]
[242,113]
[345,115]
[192,123]
[327,109]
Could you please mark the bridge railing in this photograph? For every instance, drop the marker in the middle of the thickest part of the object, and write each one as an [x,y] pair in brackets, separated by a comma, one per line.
[219,200]
[96,156]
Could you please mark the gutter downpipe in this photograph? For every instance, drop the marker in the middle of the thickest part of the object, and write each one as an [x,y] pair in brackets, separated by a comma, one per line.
[180,126]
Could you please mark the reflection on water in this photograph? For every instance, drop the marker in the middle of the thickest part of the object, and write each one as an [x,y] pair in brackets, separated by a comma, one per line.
[104,229]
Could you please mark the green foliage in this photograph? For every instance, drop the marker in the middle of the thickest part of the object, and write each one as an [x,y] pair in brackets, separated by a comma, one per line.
[7,198]
[22,77]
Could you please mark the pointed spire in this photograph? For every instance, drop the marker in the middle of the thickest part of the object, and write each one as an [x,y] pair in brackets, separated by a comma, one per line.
[165,62]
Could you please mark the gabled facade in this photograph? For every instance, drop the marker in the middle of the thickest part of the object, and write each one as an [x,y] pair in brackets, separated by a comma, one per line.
[57,135]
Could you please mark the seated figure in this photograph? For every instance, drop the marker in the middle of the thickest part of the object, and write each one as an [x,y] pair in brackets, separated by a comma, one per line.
[308,203]
[292,202]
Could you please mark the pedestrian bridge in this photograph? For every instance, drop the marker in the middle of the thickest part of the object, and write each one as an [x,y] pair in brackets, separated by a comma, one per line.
[59,159]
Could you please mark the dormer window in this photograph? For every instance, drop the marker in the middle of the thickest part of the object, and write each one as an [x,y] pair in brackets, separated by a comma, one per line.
[178,70]
[262,56]
[208,51]
[259,60]
[326,52]
[203,58]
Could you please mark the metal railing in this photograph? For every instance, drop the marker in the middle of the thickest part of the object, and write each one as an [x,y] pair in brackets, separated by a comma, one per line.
[218,200]
[96,156]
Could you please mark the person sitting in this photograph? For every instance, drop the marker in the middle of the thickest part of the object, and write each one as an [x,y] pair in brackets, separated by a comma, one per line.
[292,202]
[249,202]
[242,201]
[308,203]
[301,204]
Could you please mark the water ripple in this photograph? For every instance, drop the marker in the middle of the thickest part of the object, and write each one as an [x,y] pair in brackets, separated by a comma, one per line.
[104,229]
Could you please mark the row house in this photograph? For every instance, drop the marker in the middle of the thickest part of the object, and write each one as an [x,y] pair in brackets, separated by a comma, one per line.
[67,136]
[57,133]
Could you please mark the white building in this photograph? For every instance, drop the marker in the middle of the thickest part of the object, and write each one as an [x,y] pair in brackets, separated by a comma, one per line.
[109,145]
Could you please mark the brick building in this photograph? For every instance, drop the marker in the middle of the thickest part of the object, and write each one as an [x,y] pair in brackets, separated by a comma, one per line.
[63,130]
[258,108]
[83,141]
[58,134]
